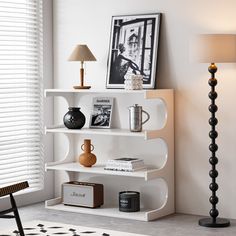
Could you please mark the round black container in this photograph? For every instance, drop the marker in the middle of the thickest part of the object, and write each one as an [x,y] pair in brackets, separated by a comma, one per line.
[74,118]
[129,201]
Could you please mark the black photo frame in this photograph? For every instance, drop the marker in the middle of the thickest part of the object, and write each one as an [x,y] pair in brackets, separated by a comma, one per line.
[133,49]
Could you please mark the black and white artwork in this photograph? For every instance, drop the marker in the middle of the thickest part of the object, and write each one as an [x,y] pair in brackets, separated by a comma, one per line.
[101,112]
[133,49]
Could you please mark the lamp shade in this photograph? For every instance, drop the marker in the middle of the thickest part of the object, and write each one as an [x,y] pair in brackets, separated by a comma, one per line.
[211,48]
[82,53]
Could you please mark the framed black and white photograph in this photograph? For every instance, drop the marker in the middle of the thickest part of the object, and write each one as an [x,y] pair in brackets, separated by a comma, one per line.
[133,49]
[101,112]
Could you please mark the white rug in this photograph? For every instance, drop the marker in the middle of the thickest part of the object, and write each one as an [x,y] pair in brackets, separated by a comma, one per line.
[46,228]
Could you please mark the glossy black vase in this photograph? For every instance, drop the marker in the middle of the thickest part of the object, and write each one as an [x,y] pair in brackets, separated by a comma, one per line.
[74,118]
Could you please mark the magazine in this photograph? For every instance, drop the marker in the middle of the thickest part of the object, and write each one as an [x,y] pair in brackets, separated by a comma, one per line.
[101,112]
[125,164]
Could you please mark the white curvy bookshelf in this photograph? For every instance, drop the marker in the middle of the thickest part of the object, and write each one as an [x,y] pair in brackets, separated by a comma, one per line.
[163,171]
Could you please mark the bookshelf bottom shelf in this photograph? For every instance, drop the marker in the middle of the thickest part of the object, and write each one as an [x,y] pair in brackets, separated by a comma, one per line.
[111,211]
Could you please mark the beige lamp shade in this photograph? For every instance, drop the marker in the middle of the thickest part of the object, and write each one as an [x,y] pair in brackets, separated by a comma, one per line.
[212,48]
[82,53]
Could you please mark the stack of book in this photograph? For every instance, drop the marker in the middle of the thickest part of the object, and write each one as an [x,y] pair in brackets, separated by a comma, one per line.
[125,164]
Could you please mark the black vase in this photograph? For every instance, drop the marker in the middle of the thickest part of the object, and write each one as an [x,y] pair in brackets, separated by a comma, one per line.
[74,118]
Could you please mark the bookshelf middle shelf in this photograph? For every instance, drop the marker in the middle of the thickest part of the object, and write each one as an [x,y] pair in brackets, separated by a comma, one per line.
[148,173]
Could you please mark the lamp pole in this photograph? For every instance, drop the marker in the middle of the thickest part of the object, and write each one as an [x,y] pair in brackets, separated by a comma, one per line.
[213,147]
[82,74]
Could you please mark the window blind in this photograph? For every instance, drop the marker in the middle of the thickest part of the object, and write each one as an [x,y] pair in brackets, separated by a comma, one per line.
[21,148]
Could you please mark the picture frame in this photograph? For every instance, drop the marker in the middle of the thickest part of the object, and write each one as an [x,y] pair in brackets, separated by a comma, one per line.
[134,42]
[101,115]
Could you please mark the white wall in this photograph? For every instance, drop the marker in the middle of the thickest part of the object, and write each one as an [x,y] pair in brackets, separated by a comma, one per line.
[77,21]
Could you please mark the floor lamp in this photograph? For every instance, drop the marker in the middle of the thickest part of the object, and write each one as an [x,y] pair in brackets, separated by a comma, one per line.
[212,48]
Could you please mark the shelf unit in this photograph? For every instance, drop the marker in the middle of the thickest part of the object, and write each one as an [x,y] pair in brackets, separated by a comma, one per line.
[165,172]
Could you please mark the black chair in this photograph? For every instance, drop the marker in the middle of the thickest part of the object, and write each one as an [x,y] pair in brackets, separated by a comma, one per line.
[9,190]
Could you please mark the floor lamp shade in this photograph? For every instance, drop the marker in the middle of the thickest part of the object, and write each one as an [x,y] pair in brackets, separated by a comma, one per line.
[211,48]
[82,53]
[214,48]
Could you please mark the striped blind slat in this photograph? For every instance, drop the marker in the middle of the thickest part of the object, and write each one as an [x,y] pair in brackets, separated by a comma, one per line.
[21,67]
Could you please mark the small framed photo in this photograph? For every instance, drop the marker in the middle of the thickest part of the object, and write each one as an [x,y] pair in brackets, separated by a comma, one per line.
[101,112]
[133,49]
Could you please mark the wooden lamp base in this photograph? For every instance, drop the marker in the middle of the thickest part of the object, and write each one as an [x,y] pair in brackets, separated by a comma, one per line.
[81,87]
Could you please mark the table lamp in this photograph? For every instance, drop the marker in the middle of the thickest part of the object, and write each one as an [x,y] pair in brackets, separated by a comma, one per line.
[81,53]
[212,48]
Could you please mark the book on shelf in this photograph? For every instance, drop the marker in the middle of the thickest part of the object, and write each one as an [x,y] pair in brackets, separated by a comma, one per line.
[125,164]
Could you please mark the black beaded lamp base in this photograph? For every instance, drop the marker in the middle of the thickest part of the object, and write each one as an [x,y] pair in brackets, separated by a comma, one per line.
[213,221]
[218,223]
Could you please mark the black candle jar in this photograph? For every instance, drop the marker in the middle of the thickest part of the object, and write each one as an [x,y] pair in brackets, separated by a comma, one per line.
[129,201]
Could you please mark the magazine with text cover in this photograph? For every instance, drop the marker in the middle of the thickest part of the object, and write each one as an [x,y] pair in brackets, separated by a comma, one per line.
[101,115]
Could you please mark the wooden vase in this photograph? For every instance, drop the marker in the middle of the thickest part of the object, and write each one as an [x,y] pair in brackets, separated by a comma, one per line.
[87,158]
